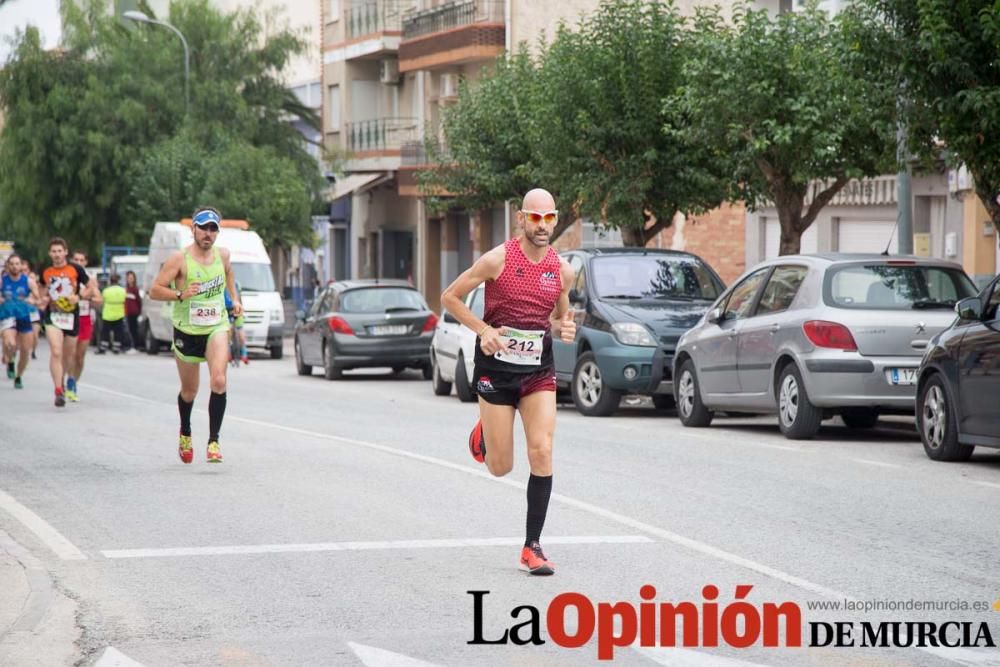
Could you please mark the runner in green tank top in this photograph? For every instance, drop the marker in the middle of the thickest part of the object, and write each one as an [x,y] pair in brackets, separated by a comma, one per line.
[196,280]
[205,312]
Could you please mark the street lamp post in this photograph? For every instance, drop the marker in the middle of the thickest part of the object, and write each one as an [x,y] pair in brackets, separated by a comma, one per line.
[140,17]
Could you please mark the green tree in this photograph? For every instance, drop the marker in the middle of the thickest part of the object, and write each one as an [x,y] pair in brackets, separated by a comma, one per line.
[486,154]
[792,105]
[91,128]
[944,55]
[598,121]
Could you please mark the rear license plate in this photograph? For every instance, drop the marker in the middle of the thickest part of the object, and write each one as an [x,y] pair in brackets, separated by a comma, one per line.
[389,329]
[901,376]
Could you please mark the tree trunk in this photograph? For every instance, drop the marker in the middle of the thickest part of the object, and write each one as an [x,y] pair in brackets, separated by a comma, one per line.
[988,192]
[633,237]
[789,200]
[791,238]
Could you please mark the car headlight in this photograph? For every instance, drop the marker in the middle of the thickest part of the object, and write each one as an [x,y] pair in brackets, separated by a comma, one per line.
[277,316]
[632,333]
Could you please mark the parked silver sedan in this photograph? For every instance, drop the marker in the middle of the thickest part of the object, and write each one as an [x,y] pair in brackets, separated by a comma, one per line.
[813,336]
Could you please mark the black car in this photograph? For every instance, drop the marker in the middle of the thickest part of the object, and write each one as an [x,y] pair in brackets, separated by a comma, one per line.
[365,323]
[959,381]
[632,304]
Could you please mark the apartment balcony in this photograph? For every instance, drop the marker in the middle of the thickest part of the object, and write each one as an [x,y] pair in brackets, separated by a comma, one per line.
[414,159]
[372,29]
[459,32]
[377,144]
[374,17]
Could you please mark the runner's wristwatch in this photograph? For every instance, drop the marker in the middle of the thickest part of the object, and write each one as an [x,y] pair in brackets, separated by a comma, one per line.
[179,294]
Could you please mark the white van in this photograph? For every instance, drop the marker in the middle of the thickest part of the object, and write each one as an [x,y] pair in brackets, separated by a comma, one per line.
[122,264]
[264,315]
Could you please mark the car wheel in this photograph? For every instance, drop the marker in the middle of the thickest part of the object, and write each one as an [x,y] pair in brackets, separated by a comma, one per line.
[664,402]
[441,388]
[302,368]
[937,424]
[860,417]
[690,409]
[330,372]
[427,371]
[463,388]
[277,351]
[798,418]
[152,345]
[593,398]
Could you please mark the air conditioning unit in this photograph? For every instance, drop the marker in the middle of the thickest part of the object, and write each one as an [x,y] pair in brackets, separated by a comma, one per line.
[388,71]
[448,86]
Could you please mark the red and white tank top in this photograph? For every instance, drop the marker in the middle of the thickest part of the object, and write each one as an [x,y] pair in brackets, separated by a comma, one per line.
[523,296]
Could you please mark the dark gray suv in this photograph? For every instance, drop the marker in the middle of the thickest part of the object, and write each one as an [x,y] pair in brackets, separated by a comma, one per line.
[632,305]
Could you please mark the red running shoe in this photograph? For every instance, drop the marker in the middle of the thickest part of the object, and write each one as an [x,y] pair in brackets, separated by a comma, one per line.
[533,561]
[184,449]
[477,443]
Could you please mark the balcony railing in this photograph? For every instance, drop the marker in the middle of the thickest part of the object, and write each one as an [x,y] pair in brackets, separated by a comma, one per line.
[414,154]
[452,15]
[380,134]
[375,16]
[878,191]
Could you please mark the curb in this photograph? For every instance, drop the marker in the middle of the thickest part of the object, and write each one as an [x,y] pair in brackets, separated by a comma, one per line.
[21,638]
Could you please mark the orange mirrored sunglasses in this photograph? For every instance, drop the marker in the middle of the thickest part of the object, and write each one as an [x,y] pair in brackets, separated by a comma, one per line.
[536,217]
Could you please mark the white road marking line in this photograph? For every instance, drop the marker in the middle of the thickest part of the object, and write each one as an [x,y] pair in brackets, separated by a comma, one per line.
[880,464]
[678,657]
[112,657]
[377,657]
[368,546]
[964,656]
[49,536]
[769,446]
[691,434]
[992,485]
[479,471]
[649,529]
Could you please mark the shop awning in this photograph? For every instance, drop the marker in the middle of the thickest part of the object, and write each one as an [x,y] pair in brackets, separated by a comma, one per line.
[355,183]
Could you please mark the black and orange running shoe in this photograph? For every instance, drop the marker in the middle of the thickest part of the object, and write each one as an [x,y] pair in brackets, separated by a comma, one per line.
[533,561]
[477,443]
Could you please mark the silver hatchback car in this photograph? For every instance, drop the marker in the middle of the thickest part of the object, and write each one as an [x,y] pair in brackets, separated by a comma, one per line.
[812,336]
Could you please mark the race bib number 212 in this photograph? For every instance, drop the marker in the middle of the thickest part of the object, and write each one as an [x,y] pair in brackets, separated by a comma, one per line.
[521,347]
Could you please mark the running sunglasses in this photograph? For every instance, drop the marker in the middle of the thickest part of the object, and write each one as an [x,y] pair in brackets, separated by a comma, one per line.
[536,217]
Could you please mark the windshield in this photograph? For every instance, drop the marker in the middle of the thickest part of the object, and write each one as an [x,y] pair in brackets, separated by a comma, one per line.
[896,287]
[380,300]
[254,277]
[653,277]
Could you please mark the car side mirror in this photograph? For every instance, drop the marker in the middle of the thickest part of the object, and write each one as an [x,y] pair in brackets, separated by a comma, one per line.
[715,316]
[576,297]
[970,309]
[449,318]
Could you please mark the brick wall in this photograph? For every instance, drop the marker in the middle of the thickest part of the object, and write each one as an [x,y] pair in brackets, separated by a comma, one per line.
[718,237]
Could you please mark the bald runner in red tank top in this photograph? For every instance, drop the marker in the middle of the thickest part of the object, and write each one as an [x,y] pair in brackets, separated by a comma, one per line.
[523,296]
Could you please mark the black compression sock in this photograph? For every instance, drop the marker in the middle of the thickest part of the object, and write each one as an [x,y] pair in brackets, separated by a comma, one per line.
[539,491]
[184,407]
[216,410]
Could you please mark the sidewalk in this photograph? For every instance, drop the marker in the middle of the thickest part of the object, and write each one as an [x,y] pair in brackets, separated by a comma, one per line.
[37,622]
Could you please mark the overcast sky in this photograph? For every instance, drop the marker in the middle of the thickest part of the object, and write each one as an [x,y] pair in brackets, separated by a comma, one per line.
[15,15]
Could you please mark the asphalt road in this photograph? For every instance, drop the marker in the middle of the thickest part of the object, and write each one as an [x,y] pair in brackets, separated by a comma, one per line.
[348,524]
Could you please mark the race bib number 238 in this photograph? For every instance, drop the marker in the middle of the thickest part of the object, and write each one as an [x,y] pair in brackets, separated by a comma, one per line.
[204,313]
